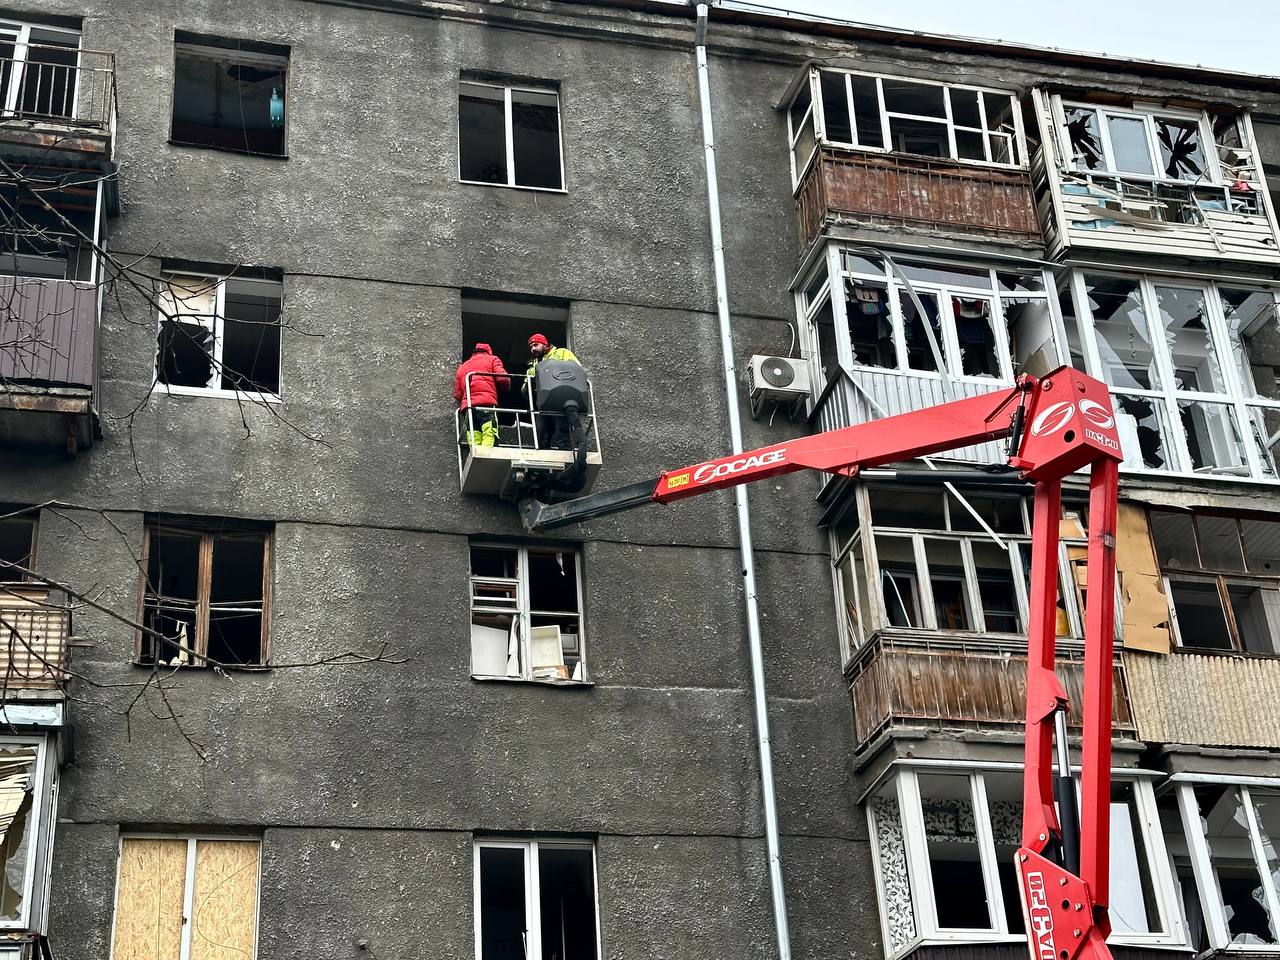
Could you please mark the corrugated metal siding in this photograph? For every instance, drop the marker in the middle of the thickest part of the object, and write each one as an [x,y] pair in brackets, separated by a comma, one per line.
[1213,700]
[48,331]
[33,641]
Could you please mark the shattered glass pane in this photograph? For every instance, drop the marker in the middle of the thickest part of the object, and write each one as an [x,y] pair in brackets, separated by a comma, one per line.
[898,580]
[1129,148]
[920,351]
[1120,325]
[1181,152]
[17,796]
[975,329]
[1252,330]
[870,324]
[1226,830]
[1213,439]
[1144,432]
[185,355]
[1085,138]
[1196,365]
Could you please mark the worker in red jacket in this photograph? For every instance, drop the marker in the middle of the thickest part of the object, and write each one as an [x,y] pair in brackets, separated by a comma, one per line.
[480,393]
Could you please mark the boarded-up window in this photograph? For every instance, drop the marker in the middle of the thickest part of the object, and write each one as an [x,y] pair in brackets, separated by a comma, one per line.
[152,899]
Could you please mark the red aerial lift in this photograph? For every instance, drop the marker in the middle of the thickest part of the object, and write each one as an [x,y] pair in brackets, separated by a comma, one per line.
[1056,425]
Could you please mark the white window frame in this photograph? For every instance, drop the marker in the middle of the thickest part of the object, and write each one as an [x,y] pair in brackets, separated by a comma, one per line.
[532,888]
[214,324]
[820,128]
[524,613]
[1212,172]
[903,777]
[189,882]
[1211,905]
[20,33]
[509,147]
[36,880]
[1237,397]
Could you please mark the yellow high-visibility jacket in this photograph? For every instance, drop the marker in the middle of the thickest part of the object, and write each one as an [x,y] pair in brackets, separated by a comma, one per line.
[555,353]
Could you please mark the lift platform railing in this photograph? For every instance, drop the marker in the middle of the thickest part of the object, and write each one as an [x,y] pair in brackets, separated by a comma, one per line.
[519,428]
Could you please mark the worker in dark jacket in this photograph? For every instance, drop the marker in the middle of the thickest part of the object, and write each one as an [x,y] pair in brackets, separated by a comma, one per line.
[553,430]
[480,393]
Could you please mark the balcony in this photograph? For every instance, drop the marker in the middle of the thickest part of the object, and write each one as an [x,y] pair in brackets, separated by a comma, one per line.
[858,189]
[958,683]
[48,362]
[1211,699]
[34,632]
[522,448]
[57,97]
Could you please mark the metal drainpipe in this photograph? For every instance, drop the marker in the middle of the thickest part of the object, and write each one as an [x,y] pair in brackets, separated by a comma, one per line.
[743,510]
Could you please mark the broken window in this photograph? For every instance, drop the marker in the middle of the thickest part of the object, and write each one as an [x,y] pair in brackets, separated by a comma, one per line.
[179,897]
[936,566]
[963,827]
[971,320]
[26,822]
[39,68]
[1236,827]
[1136,143]
[220,335]
[229,94]
[17,544]
[909,116]
[535,898]
[509,136]
[526,613]
[1222,577]
[1180,358]
[205,596]
[802,137]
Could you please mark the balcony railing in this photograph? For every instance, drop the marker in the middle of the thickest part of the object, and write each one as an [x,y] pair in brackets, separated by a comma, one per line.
[48,332]
[941,682]
[34,632]
[58,85]
[888,189]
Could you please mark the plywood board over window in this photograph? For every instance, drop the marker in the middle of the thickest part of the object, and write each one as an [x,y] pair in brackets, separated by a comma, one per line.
[186,898]
[1144,607]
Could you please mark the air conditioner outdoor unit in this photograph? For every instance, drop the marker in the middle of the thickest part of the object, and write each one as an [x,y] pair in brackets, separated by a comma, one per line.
[781,380]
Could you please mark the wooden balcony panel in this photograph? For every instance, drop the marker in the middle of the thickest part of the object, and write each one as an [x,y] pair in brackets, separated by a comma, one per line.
[954,683]
[34,633]
[886,189]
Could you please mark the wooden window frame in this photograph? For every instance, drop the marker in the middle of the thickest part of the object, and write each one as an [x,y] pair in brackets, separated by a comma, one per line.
[532,887]
[191,839]
[204,576]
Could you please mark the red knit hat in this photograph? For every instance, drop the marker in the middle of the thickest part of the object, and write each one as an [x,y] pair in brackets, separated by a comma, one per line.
[538,338]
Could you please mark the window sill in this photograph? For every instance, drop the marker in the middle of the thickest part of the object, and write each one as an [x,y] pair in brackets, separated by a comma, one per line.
[178,390]
[217,149]
[514,186]
[541,681]
[240,668]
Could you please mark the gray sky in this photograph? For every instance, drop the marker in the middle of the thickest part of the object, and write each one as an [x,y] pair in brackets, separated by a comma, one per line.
[1243,37]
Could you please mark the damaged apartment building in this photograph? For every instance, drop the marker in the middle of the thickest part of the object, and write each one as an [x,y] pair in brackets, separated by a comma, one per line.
[284,675]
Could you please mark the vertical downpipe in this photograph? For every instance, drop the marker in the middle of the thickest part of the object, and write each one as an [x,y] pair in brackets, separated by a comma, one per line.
[743,509]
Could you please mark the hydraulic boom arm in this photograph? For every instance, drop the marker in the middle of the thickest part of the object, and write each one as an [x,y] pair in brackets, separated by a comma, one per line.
[1056,425]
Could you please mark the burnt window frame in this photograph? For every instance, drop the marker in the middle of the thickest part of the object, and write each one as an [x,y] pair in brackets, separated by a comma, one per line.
[215,322]
[31,519]
[509,88]
[206,529]
[1220,577]
[519,606]
[235,52]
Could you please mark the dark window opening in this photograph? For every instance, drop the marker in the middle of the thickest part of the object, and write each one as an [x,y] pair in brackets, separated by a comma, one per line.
[205,596]
[229,97]
[185,356]
[251,337]
[509,136]
[870,324]
[17,546]
[835,107]
[502,903]
[506,325]
[564,876]
[568,909]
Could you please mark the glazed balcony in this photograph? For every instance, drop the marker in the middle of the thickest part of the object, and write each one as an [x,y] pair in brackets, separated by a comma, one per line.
[853,188]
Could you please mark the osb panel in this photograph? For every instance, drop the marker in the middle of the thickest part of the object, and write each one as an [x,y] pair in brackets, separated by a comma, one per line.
[225,902]
[1144,607]
[1211,700]
[153,874]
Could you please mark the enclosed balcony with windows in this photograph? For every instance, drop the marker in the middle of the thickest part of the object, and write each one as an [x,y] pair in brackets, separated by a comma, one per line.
[1151,179]
[870,150]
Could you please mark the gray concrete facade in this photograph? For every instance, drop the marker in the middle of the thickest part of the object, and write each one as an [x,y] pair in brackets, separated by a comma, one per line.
[368,783]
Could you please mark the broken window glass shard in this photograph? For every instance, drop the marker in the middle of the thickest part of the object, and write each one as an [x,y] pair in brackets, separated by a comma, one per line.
[1085,138]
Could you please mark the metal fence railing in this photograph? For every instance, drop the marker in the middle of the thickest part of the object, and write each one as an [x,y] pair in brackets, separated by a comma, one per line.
[44,82]
[521,427]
